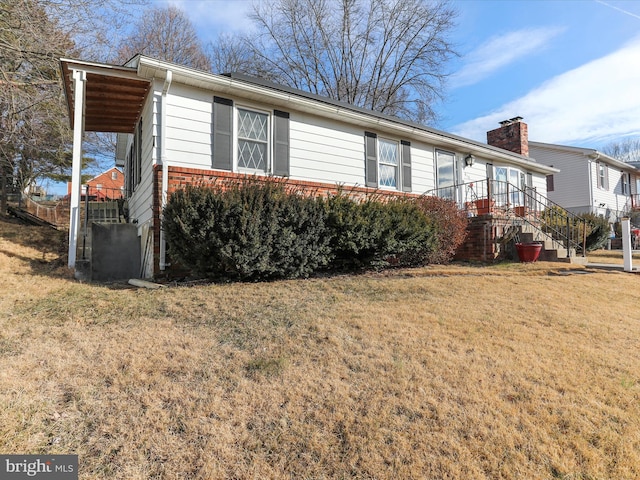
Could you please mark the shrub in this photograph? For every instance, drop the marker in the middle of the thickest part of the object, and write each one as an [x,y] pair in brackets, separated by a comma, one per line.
[598,231]
[449,226]
[249,230]
[372,233]
[354,231]
[596,228]
[410,238]
[256,230]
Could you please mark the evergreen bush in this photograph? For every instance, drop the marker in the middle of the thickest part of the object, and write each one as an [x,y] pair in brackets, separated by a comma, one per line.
[246,231]
[257,230]
[376,233]
[598,231]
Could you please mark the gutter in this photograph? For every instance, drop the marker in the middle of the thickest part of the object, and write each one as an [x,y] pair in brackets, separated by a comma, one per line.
[165,167]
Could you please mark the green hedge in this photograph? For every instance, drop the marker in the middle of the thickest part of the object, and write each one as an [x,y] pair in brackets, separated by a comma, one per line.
[377,232]
[248,231]
[257,230]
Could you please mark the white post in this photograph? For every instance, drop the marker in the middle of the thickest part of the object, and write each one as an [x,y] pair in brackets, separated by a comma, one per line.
[626,244]
[79,87]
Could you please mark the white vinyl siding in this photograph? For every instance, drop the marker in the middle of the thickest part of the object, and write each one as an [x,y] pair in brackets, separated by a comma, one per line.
[583,184]
[324,151]
[188,129]
[539,184]
[321,150]
[140,204]
[571,184]
[422,172]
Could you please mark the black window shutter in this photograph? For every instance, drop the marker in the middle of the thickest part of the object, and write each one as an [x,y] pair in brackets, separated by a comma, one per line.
[281,143]
[406,165]
[490,171]
[221,144]
[371,159]
[550,183]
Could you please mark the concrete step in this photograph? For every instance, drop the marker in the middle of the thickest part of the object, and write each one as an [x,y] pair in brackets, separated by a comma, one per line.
[579,260]
[552,251]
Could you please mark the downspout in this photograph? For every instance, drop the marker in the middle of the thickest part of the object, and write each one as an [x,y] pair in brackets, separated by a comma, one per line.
[594,158]
[165,167]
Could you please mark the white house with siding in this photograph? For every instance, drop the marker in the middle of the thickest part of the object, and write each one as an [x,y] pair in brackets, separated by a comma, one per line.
[589,181]
[177,125]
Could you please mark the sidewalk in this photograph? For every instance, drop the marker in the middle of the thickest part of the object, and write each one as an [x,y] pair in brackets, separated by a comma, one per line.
[612,266]
[635,264]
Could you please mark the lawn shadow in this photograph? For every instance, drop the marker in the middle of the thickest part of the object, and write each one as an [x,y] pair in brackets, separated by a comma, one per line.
[49,242]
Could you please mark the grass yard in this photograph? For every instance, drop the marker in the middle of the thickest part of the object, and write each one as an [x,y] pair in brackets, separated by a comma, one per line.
[458,372]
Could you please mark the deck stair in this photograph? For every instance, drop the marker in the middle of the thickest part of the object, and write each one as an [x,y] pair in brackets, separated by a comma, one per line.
[502,214]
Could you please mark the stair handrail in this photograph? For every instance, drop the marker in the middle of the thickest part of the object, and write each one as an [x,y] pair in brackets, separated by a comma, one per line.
[565,227]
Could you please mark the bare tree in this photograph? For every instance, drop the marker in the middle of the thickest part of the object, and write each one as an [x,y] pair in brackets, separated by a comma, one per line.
[166,34]
[34,125]
[385,55]
[627,150]
[231,53]
[96,27]
[33,130]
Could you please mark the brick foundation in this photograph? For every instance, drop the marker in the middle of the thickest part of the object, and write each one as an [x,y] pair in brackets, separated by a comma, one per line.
[483,240]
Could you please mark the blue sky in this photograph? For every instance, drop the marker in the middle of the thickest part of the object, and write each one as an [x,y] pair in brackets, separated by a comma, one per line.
[570,68]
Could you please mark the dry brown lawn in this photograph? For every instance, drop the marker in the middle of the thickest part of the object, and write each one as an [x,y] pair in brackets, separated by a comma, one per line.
[460,372]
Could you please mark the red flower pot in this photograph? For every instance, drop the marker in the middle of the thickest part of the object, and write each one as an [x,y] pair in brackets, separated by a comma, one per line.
[528,252]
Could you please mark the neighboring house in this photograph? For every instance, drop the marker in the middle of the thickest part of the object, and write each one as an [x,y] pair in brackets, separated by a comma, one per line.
[589,181]
[179,126]
[108,185]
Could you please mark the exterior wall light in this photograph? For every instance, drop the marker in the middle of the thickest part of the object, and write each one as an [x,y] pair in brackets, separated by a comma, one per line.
[469,160]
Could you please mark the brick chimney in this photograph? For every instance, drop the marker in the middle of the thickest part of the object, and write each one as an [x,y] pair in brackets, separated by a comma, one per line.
[513,135]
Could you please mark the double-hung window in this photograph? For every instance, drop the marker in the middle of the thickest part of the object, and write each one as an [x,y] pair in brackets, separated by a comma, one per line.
[253,140]
[249,140]
[625,183]
[134,165]
[387,163]
[603,182]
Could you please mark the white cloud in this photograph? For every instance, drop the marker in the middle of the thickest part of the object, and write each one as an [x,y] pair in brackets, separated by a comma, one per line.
[590,105]
[500,51]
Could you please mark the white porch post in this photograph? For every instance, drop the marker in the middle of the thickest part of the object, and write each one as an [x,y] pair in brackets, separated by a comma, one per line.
[79,87]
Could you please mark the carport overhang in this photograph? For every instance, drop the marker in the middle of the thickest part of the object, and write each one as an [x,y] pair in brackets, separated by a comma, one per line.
[100,98]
